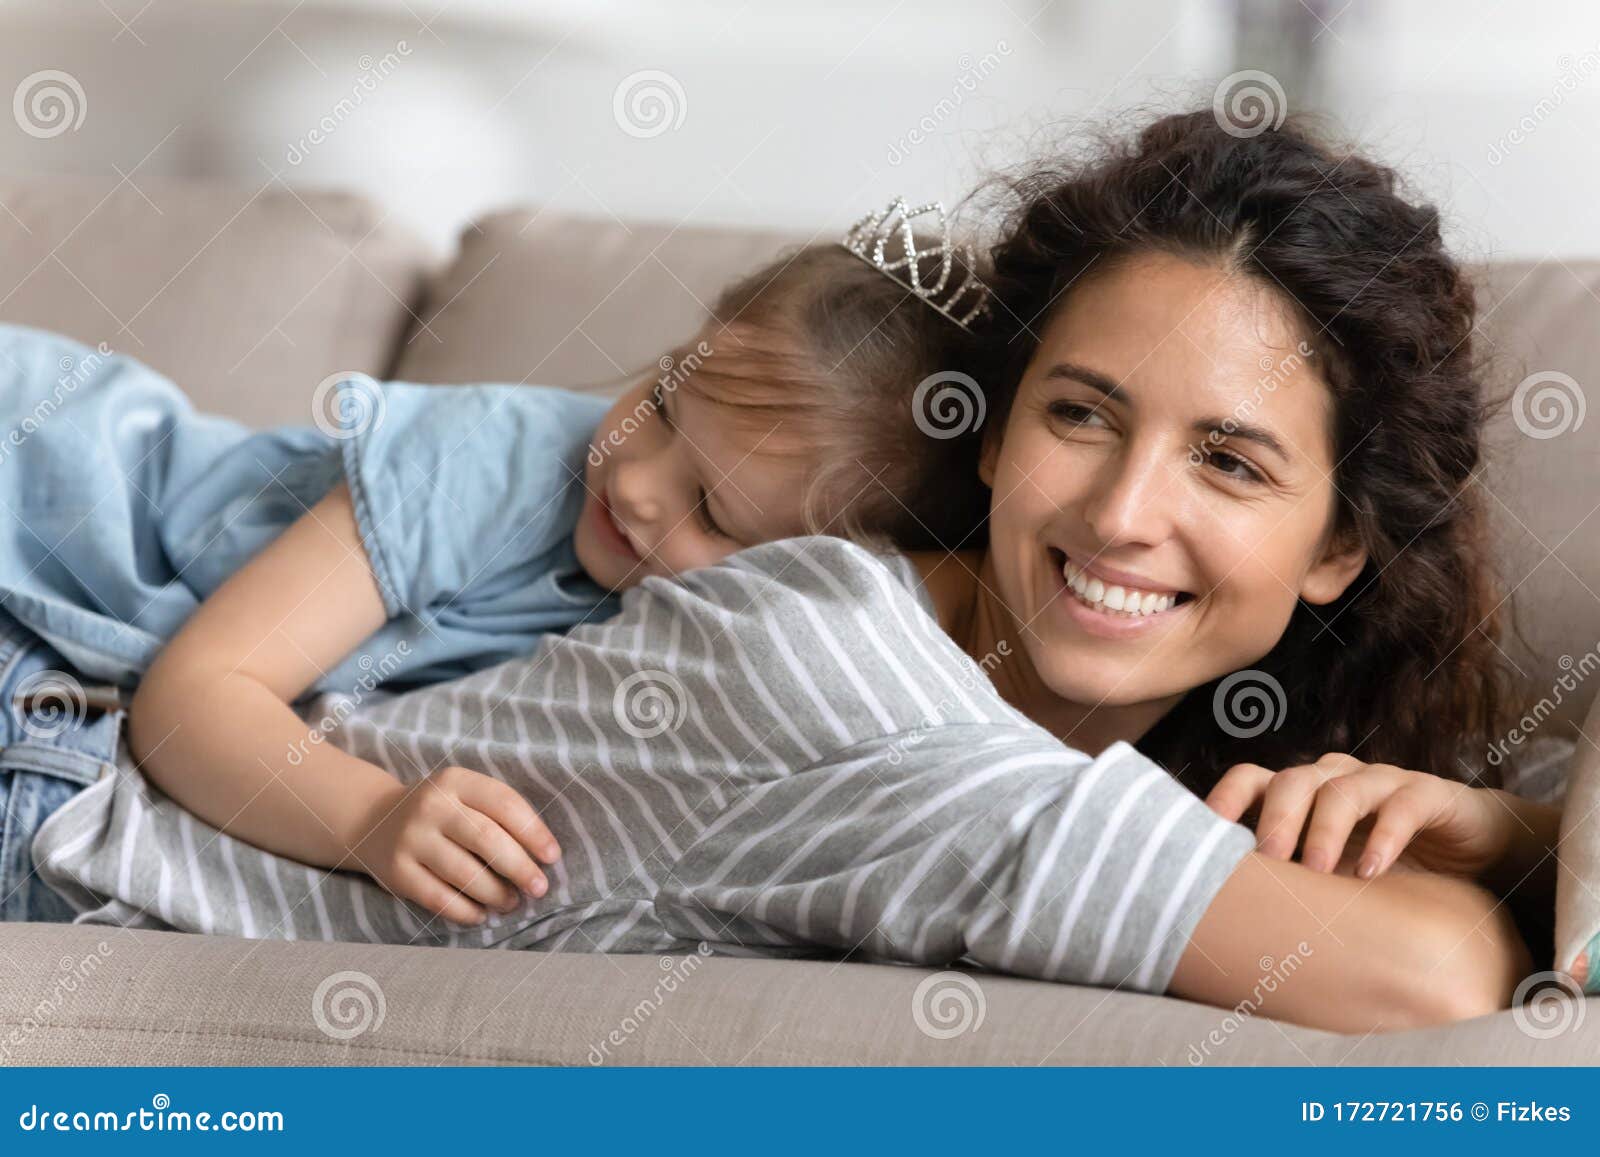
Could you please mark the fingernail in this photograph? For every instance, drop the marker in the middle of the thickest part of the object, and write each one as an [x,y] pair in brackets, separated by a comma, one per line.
[551,852]
[1317,861]
[540,887]
[1367,866]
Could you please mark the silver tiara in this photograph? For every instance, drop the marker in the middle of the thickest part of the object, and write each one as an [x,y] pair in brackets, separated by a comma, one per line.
[868,237]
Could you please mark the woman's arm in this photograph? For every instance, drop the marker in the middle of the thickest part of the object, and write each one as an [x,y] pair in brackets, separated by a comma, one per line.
[1406,949]
[211,726]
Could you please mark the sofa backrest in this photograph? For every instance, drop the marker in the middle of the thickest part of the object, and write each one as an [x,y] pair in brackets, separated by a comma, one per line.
[247,297]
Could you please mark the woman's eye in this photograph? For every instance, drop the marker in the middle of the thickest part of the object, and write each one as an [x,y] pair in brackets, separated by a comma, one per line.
[707,523]
[1072,413]
[1239,467]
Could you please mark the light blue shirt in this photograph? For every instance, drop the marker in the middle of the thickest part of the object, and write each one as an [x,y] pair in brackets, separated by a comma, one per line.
[123,508]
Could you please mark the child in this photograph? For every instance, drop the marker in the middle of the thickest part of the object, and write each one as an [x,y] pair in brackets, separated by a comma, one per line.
[430,531]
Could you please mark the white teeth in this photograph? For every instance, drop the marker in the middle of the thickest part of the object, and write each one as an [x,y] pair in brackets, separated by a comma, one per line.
[1109,596]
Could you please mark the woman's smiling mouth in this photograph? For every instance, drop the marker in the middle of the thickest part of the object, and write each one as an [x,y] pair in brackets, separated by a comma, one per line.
[1111,610]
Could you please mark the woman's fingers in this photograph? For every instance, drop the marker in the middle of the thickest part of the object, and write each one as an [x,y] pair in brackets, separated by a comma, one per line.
[1400,818]
[1339,806]
[1237,789]
[1288,801]
[469,875]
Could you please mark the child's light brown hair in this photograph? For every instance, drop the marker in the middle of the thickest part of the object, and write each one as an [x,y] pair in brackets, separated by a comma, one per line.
[822,354]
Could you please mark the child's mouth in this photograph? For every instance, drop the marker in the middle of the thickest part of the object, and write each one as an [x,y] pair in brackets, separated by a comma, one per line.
[612,529]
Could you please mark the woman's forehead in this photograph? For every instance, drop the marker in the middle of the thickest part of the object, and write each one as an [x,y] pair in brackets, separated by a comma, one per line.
[1184,337]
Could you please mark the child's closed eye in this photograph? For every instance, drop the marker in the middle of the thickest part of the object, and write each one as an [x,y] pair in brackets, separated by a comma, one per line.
[703,513]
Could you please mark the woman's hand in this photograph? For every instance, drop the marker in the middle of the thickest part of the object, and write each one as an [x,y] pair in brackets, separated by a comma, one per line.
[457,843]
[1439,825]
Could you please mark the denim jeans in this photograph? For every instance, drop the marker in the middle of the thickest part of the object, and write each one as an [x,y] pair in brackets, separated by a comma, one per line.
[55,740]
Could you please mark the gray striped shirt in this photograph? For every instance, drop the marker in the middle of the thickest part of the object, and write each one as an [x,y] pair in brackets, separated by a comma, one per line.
[781,754]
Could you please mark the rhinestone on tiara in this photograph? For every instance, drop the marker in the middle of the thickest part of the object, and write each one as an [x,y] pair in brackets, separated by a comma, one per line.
[868,238]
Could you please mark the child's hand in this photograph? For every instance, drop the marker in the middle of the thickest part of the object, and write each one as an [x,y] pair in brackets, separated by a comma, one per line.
[456,843]
[1439,824]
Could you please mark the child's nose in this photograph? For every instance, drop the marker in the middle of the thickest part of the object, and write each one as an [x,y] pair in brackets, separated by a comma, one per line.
[634,493]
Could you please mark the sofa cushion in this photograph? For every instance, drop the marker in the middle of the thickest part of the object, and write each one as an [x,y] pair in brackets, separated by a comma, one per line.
[560,300]
[1540,324]
[245,297]
[76,994]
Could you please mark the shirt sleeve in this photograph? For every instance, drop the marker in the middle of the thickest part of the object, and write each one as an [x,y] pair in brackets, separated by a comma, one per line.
[994,845]
[457,485]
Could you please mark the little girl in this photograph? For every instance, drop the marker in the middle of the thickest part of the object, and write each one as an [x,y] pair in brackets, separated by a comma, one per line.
[422,532]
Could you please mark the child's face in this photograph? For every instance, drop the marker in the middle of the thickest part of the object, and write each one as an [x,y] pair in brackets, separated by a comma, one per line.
[673,484]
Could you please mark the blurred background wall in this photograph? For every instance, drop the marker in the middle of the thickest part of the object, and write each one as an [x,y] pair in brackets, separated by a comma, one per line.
[801,115]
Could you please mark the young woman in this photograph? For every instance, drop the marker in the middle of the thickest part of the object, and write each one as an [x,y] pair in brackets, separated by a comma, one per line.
[832,771]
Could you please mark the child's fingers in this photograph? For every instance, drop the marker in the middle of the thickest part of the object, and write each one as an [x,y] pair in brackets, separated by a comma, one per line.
[419,885]
[483,836]
[503,804]
[468,874]
[1238,787]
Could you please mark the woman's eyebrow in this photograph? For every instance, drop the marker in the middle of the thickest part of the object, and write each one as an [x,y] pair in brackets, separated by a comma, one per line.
[1205,427]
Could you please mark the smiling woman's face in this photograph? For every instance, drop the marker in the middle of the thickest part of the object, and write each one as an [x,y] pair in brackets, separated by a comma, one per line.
[1108,470]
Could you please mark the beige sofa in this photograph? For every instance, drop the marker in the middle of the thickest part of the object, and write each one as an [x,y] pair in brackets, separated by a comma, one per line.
[249,297]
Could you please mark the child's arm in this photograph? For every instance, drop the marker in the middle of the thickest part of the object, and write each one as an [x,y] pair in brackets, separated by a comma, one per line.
[212,727]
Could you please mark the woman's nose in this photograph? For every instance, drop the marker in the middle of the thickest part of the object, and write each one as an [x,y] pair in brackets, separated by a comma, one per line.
[1132,499]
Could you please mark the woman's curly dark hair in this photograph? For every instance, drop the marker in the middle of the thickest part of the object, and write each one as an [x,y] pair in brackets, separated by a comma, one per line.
[1404,668]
